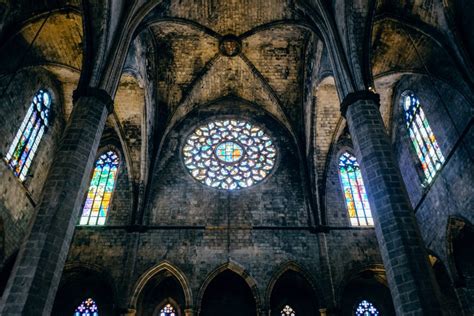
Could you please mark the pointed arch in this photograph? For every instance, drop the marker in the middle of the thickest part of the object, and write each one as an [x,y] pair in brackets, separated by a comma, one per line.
[240,271]
[292,267]
[81,282]
[365,283]
[152,272]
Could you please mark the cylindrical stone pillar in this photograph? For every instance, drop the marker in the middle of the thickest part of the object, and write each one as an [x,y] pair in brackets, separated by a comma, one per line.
[410,277]
[32,286]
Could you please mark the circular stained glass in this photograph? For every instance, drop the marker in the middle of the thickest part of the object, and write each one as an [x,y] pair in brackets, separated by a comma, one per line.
[229,154]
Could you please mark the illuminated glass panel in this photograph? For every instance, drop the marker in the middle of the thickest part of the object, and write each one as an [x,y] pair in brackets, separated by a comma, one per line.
[422,137]
[24,146]
[229,154]
[365,308]
[354,191]
[100,190]
[168,310]
[87,308]
[287,311]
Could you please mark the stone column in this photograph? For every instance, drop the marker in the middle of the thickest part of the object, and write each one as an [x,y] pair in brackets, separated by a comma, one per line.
[410,277]
[33,283]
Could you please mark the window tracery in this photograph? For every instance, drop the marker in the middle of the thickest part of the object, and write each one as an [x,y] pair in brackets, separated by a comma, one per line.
[25,144]
[366,308]
[229,154]
[100,190]
[168,310]
[288,311]
[87,308]
[422,137]
[354,191]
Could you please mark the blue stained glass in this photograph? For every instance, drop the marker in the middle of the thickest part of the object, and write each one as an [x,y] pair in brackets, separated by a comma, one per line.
[422,137]
[366,308]
[87,308]
[100,190]
[24,146]
[354,191]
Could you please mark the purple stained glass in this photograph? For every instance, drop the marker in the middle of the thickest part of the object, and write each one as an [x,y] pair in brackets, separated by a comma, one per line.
[354,191]
[100,191]
[422,137]
[23,148]
[87,308]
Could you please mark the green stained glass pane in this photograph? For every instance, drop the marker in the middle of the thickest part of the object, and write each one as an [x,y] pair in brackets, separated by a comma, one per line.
[100,190]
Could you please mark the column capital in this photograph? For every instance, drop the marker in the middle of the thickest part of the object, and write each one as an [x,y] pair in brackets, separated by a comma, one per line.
[353,97]
[100,94]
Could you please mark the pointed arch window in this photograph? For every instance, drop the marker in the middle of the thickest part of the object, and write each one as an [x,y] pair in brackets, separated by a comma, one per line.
[87,308]
[168,310]
[288,311]
[100,190]
[366,308]
[23,148]
[422,137]
[354,191]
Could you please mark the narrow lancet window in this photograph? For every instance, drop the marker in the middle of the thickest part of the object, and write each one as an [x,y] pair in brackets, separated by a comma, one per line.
[100,189]
[422,137]
[87,308]
[288,311]
[366,308]
[354,191]
[168,310]
[34,125]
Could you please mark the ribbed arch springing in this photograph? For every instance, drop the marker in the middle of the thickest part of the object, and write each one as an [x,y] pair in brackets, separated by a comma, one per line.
[354,191]
[422,137]
[24,146]
[100,189]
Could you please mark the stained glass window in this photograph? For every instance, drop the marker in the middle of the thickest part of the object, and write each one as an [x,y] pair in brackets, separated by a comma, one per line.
[87,308]
[28,137]
[287,311]
[100,189]
[354,191]
[229,154]
[366,308]
[168,310]
[422,137]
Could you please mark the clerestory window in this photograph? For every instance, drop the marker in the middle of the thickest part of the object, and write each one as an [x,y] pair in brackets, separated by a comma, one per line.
[101,189]
[354,191]
[24,146]
[424,142]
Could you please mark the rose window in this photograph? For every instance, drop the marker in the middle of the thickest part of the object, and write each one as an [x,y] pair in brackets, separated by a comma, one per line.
[229,154]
